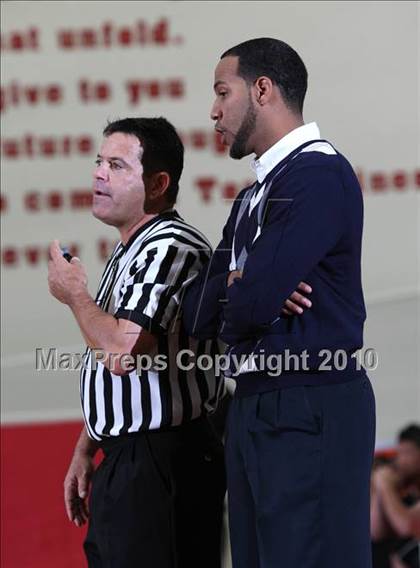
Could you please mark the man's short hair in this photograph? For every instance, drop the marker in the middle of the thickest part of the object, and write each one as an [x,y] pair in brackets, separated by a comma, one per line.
[410,433]
[277,60]
[163,148]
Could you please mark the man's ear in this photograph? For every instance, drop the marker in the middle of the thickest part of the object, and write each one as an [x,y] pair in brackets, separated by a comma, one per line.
[158,184]
[263,90]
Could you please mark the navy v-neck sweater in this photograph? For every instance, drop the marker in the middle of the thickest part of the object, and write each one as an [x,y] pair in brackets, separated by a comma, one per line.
[311,230]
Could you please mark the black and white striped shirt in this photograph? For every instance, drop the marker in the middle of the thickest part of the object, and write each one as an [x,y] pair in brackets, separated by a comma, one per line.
[144,281]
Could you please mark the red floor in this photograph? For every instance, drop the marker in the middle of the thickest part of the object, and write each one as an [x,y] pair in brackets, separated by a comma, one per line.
[35,531]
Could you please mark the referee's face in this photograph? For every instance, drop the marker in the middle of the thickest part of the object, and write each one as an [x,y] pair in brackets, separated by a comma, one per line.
[118,188]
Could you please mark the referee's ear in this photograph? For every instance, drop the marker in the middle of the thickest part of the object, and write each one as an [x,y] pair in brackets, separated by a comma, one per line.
[156,185]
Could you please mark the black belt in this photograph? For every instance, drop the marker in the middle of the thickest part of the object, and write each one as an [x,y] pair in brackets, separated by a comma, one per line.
[110,442]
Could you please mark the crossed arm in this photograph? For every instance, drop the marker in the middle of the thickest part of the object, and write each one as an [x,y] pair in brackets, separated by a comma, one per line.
[297,234]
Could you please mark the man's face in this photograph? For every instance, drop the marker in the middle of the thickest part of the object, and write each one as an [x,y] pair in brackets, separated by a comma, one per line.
[233,110]
[407,460]
[118,188]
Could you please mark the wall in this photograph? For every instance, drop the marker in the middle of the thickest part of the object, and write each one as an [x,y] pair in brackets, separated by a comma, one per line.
[67,67]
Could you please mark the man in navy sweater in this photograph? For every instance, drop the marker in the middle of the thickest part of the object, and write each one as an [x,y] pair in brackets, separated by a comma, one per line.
[300,432]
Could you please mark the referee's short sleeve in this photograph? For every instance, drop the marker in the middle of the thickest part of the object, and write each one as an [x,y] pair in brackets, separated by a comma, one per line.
[155,283]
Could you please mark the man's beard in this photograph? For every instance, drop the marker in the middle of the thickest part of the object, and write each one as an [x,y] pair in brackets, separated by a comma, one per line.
[238,149]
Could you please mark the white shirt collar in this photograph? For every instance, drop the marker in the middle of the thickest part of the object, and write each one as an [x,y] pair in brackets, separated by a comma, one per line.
[263,165]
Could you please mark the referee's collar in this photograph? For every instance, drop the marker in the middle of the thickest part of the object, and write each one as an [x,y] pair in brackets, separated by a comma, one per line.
[166,214]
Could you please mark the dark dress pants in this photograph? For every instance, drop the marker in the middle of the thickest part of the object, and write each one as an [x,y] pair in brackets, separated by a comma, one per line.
[157,501]
[298,467]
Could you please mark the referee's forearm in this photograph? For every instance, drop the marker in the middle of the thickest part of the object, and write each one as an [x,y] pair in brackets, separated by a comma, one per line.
[114,337]
[86,445]
[99,328]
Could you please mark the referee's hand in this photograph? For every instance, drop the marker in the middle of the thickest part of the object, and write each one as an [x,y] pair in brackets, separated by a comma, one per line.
[76,488]
[65,279]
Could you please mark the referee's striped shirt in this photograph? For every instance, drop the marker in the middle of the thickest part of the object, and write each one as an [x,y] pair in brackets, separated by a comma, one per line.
[144,281]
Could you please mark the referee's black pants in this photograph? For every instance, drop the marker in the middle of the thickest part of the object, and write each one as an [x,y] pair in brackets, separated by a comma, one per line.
[298,466]
[157,500]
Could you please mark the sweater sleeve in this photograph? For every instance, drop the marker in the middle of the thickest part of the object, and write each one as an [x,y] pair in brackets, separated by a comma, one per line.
[203,300]
[305,219]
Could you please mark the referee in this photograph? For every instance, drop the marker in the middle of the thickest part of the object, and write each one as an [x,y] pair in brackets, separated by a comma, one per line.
[156,499]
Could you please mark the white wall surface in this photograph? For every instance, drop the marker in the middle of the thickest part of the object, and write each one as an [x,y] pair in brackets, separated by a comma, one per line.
[362,59]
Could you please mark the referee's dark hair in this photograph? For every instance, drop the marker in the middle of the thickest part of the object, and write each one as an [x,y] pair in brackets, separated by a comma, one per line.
[163,148]
[275,59]
[410,433]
